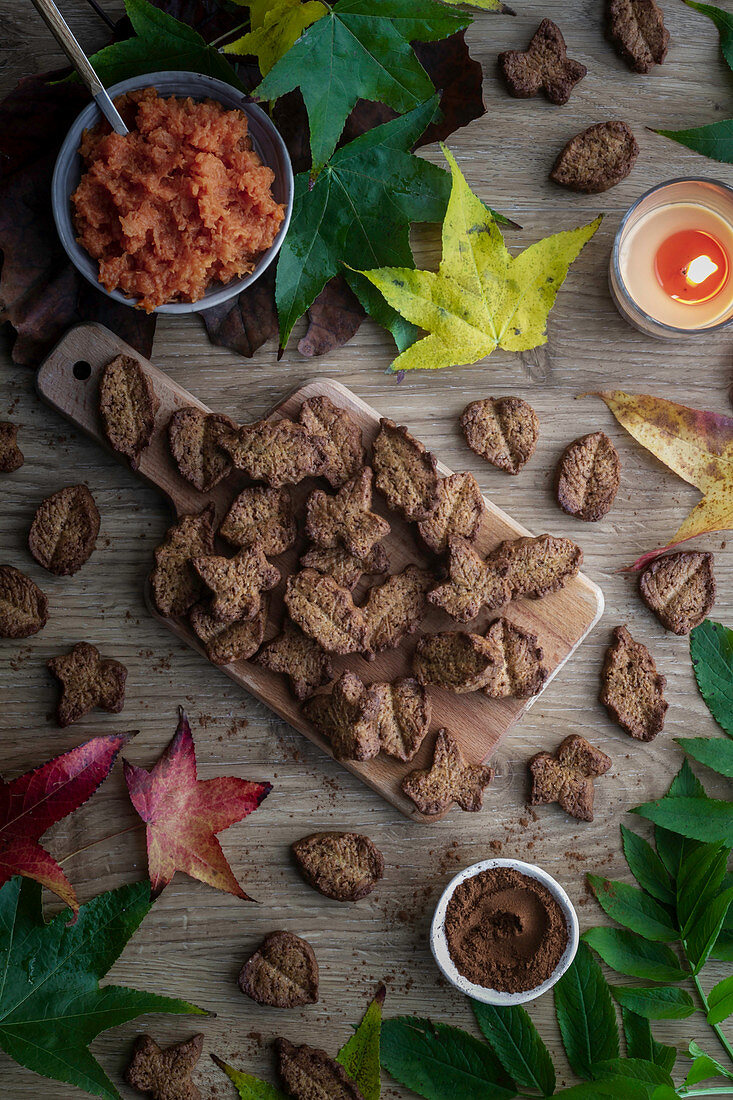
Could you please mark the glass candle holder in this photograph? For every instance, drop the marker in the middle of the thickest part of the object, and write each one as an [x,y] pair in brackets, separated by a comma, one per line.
[671,268]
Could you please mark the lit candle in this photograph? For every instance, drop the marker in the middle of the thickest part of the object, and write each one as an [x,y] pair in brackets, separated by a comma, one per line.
[670,273]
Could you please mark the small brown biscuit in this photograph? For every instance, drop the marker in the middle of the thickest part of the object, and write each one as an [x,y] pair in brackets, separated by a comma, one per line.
[305,663]
[282,972]
[192,437]
[127,406]
[636,28]
[405,472]
[403,718]
[455,660]
[87,681]
[64,530]
[473,583]
[347,716]
[261,515]
[460,510]
[543,66]
[278,452]
[228,642]
[519,671]
[632,690]
[449,779]
[326,612]
[343,451]
[342,866]
[237,583]
[165,1074]
[395,608]
[588,476]
[175,584]
[345,569]
[23,606]
[537,566]
[680,589]
[503,430]
[567,777]
[310,1074]
[11,456]
[346,519]
[596,159]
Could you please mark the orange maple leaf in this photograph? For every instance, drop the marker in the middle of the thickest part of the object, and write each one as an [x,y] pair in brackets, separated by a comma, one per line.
[183,814]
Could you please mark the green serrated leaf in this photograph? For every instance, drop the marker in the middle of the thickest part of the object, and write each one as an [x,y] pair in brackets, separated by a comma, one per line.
[655,1002]
[249,1087]
[646,867]
[160,43]
[711,652]
[586,1014]
[703,935]
[633,955]
[633,908]
[686,784]
[723,947]
[639,1069]
[715,140]
[617,1088]
[51,1004]
[699,880]
[715,753]
[441,1062]
[707,819]
[360,1054]
[517,1044]
[723,21]
[640,1043]
[720,1001]
[704,1066]
[358,212]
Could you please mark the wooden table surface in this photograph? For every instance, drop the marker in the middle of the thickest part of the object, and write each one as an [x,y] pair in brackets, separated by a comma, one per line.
[195,940]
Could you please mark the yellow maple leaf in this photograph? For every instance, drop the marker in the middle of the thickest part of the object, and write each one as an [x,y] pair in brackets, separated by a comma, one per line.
[481,297]
[274,28]
[482,5]
[695,444]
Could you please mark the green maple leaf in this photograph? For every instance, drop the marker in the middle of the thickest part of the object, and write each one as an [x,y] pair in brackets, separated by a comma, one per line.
[359,50]
[358,213]
[51,1004]
[481,297]
[275,27]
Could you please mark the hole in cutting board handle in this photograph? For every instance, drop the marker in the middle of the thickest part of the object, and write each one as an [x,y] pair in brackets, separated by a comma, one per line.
[82,370]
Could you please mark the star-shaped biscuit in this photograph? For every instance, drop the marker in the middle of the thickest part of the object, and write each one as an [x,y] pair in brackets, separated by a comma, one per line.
[11,456]
[278,452]
[544,65]
[87,681]
[165,1074]
[567,777]
[473,584]
[237,583]
[449,779]
[347,717]
[305,663]
[459,512]
[343,448]
[346,519]
[175,584]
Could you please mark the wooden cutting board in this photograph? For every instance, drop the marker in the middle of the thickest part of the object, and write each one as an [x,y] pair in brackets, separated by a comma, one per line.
[68,381]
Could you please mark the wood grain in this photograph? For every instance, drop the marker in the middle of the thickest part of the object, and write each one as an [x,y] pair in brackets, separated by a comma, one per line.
[195,940]
[560,621]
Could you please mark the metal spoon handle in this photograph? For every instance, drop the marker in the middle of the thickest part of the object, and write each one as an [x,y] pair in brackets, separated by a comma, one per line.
[62,33]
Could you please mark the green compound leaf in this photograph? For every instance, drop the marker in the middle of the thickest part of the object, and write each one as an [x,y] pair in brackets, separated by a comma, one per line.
[720,1001]
[707,819]
[249,1087]
[655,1003]
[441,1062]
[51,1003]
[481,297]
[638,1069]
[634,909]
[633,955]
[646,867]
[586,1014]
[640,1043]
[359,50]
[711,651]
[517,1044]
[715,753]
[360,1054]
[699,880]
[704,1067]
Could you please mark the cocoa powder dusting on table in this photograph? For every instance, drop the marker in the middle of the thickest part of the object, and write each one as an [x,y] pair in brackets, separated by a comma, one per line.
[505,931]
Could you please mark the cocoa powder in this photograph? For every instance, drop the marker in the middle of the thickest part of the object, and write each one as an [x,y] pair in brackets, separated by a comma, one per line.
[505,930]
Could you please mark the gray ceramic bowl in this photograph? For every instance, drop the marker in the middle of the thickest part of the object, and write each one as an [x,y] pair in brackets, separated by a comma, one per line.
[439,940]
[265,139]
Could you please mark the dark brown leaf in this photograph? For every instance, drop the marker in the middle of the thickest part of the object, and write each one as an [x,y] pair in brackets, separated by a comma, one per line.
[333,319]
[246,322]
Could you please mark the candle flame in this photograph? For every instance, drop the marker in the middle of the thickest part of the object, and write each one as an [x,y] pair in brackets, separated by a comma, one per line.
[699,269]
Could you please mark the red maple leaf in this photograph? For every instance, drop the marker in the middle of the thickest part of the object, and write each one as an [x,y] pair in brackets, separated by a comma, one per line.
[33,802]
[183,814]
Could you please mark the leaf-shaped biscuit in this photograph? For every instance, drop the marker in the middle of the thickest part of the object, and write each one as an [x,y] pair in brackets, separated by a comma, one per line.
[175,584]
[11,456]
[310,1074]
[165,1074]
[406,471]
[680,589]
[344,452]
[596,159]
[346,519]
[455,660]
[127,406]
[631,688]
[544,65]
[237,583]
[460,509]
[567,777]
[396,607]
[537,566]
[64,530]
[473,583]
[347,716]
[228,642]
[23,606]
[278,452]
[637,30]
[342,866]
[346,569]
[300,658]
[282,972]
[403,718]
[193,440]
[503,430]
[519,671]
[326,612]
[449,779]
[261,515]
[587,477]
